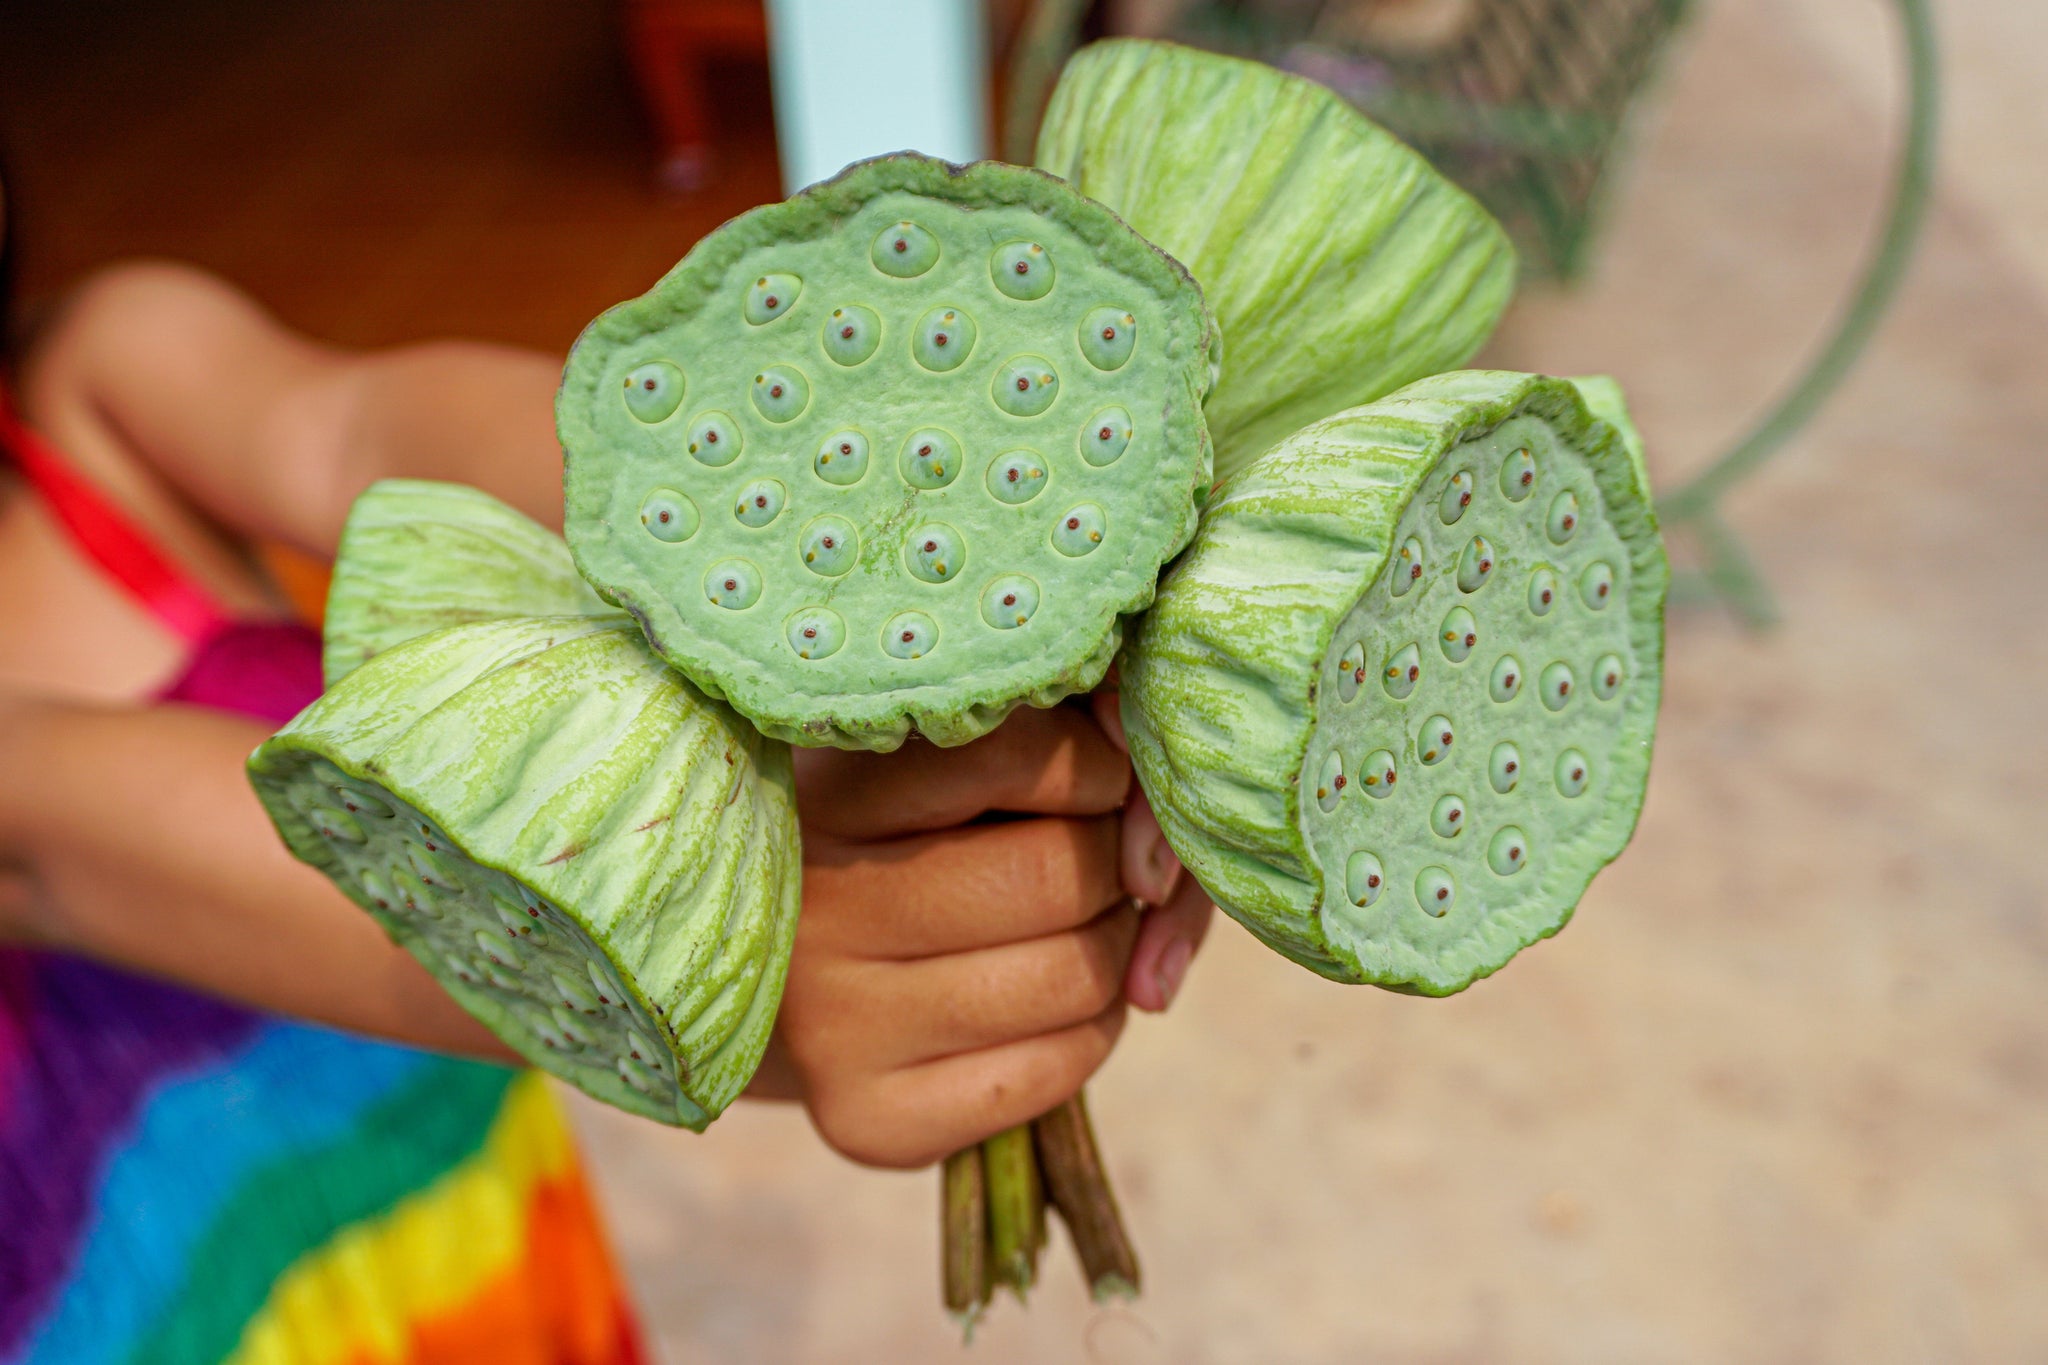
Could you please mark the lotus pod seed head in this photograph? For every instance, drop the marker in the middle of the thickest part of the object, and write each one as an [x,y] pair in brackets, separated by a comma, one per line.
[1475,564]
[934,552]
[1402,672]
[760,502]
[1018,476]
[943,338]
[1596,585]
[904,250]
[1377,774]
[669,516]
[930,458]
[1435,891]
[910,635]
[1331,781]
[714,439]
[1457,496]
[1518,475]
[1447,816]
[850,334]
[1364,878]
[1557,686]
[1458,635]
[781,393]
[842,458]
[1505,682]
[1542,591]
[1025,385]
[1009,601]
[1023,270]
[829,545]
[1607,677]
[1433,741]
[1108,336]
[1563,520]
[734,584]
[769,297]
[1573,772]
[1079,530]
[1508,851]
[816,633]
[1407,567]
[1105,436]
[1351,671]
[653,391]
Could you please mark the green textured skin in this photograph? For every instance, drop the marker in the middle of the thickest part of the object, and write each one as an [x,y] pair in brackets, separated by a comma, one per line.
[1339,265]
[595,861]
[417,556]
[696,319]
[1260,673]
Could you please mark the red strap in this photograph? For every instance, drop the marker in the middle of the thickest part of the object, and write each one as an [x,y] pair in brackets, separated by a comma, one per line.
[108,538]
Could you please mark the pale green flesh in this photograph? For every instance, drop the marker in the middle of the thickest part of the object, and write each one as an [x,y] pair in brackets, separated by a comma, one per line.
[1567,838]
[522,965]
[864,685]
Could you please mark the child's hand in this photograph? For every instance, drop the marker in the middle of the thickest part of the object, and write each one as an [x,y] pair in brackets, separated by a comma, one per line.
[953,980]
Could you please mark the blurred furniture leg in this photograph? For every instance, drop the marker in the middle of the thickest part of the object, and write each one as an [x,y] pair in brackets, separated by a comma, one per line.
[670,43]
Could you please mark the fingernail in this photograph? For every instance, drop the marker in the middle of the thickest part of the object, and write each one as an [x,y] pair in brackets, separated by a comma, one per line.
[1164,868]
[1173,965]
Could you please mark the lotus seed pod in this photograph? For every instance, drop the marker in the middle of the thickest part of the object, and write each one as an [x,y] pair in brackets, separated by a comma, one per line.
[934,368]
[1339,264]
[1241,703]
[595,861]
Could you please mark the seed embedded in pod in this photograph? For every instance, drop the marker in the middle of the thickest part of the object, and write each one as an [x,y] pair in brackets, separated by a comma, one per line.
[930,458]
[432,871]
[499,950]
[1435,892]
[1022,270]
[356,801]
[1506,682]
[1518,475]
[842,458]
[942,339]
[1475,565]
[1508,852]
[910,635]
[376,889]
[816,633]
[1596,585]
[1557,686]
[336,824]
[570,1028]
[734,584]
[1447,816]
[769,297]
[1364,878]
[1017,477]
[1607,676]
[760,502]
[1402,672]
[1025,385]
[653,391]
[715,439]
[1107,337]
[1433,740]
[781,393]
[1504,767]
[1407,567]
[413,893]
[829,545]
[934,552]
[1079,530]
[1458,634]
[1542,592]
[904,251]
[1376,774]
[1009,601]
[1330,781]
[1573,772]
[669,516]
[1457,497]
[513,917]
[574,993]
[851,334]
[1106,436]
[1563,519]
[1351,671]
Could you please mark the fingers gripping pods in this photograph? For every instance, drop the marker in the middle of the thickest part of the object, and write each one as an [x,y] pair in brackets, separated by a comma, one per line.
[1480,796]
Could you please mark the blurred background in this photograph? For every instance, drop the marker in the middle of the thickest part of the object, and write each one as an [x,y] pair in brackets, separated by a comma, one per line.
[1780,1093]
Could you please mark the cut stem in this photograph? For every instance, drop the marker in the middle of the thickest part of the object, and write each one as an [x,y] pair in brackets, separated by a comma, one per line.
[1016,1208]
[963,1224]
[1079,1188]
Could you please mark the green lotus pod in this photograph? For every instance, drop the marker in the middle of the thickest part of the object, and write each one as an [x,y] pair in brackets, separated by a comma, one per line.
[596,862]
[925,484]
[1339,265]
[1388,720]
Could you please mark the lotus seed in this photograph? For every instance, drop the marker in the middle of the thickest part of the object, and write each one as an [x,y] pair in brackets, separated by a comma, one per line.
[669,516]
[934,552]
[1025,385]
[1596,585]
[1079,530]
[431,870]
[816,633]
[1518,475]
[942,340]
[1508,853]
[734,584]
[1458,634]
[358,802]
[851,334]
[1557,686]
[514,918]
[1330,781]
[1350,672]
[1364,878]
[1377,774]
[1505,684]
[575,994]
[1542,592]
[1504,767]
[653,391]
[1572,772]
[1407,566]
[1105,437]
[769,297]
[910,635]
[1475,565]
[715,439]
[1607,676]
[1563,519]
[376,889]
[1447,817]
[570,1029]
[1402,672]
[499,951]
[1009,601]
[760,502]
[904,251]
[1457,497]
[1107,336]
[1017,477]
[1433,741]
[1022,270]
[830,546]
[1435,892]
[337,824]
[608,991]
[781,393]
[412,893]
[930,458]
[842,458]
